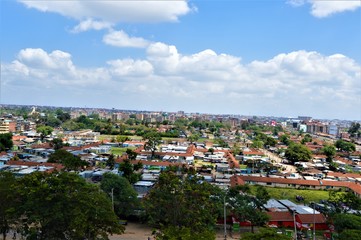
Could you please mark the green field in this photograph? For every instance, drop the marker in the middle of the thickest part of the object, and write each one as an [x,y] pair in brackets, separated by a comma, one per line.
[119,151]
[290,193]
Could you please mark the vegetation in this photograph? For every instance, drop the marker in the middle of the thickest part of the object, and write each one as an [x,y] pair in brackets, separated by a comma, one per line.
[44,131]
[125,198]
[347,226]
[290,193]
[264,234]
[297,152]
[69,161]
[56,206]
[329,151]
[6,142]
[344,146]
[177,206]
[152,139]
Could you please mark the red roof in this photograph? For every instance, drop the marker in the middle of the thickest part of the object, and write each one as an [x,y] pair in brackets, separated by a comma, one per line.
[280,216]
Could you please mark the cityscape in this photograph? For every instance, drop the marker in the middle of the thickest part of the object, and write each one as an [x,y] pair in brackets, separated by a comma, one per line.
[180,120]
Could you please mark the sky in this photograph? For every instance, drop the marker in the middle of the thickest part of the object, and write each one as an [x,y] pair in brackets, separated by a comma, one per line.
[249,57]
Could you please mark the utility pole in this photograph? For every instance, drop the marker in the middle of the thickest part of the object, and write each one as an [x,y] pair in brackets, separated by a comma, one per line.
[294,223]
[314,222]
[113,199]
[224,216]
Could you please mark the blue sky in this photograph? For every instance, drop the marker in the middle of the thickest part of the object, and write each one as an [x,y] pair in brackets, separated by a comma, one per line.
[279,58]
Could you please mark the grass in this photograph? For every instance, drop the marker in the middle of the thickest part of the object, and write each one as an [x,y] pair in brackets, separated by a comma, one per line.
[110,137]
[290,193]
[119,151]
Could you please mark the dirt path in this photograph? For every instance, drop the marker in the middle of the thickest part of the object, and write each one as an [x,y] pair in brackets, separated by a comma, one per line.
[277,159]
[137,231]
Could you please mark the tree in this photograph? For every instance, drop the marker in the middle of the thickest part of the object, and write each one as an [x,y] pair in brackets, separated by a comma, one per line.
[346,221]
[306,138]
[110,161]
[44,131]
[152,139]
[193,138]
[344,146]
[285,139]
[183,203]
[6,141]
[132,155]
[264,234]
[124,196]
[129,170]
[262,195]
[297,152]
[57,143]
[329,151]
[66,158]
[354,130]
[8,202]
[64,206]
[257,144]
[249,208]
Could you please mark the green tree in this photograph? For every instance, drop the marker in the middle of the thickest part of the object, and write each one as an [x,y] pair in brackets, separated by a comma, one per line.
[64,206]
[8,202]
[285,139]
[193,138]
[132,155]
[306,138]
[249,208]
[66,158]
[111,161]
[57,143]
[329,151]
[183,203]
[129,170]
[344,146]
[124,196]
[44,131]
[152,139]
[265,234]
[6,141]
[346,221]
[297,152]
[354,130]
[257,144]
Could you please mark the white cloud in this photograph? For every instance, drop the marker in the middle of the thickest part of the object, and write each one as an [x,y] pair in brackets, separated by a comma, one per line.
[325,8]
[115,11]
[122,39]
[287,84]
[90,24]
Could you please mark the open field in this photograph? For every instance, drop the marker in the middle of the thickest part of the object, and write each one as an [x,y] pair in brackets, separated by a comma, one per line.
[290,193]
[119,151]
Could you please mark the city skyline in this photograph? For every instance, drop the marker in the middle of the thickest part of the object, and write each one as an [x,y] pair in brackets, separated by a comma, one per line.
[264,58]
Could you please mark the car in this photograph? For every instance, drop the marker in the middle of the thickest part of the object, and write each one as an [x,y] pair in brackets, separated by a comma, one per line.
[123,222]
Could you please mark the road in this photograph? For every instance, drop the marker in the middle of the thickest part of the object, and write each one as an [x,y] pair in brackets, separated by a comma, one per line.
[276,159]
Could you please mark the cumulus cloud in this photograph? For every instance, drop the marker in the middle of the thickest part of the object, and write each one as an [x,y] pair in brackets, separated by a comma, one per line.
[289,83]
[326,8]
[115,11]
[90,24]
[122,39]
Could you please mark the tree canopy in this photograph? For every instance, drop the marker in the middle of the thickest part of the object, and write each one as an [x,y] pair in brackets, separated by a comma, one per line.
[344,146]
[6,142]
[182,203]
[44,131]
[66,158]
[152,139]
[124,196]
[59,206]
[297,152]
